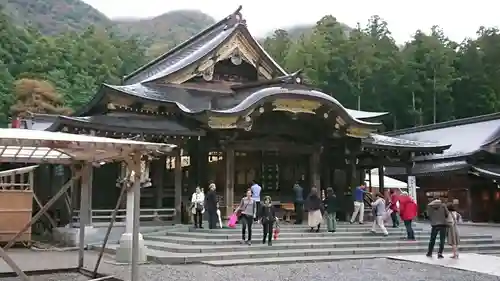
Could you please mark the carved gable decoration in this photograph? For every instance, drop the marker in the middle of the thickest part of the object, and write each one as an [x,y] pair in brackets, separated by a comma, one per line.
[296,105]
[238,50]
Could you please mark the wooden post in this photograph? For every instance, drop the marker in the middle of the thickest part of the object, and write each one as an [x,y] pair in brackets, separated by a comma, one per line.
[85,211]
[178,184]
[159,167]
[381,175]
[229,188]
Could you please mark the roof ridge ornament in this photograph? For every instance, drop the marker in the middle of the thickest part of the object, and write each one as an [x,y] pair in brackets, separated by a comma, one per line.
[235,18]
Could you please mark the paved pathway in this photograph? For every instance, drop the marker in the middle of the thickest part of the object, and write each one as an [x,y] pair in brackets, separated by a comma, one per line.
[354,270]
[470,262]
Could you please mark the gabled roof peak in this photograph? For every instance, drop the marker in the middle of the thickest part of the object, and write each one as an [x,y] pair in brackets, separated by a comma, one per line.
[201,46]
[230,21]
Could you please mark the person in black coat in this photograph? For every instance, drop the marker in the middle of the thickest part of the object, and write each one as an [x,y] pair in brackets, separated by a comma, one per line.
[267,218]
[331,205]
[211,206]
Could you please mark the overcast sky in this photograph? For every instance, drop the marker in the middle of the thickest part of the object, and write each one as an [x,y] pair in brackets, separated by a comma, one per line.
[459,19]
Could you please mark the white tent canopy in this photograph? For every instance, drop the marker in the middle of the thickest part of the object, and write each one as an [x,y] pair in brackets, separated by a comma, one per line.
[388,182]
[32,146]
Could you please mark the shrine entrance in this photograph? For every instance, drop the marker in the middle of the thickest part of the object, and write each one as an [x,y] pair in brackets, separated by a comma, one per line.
[275,171]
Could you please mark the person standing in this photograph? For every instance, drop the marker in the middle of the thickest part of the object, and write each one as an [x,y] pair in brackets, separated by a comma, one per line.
[256,189]
[197,208]
[359,205]
[248,212]
[211,206]
[331,207]
[379,211]
[408,212]
[438,214]
[267,218]
[314,207]
[394,208]
[453,237]
[298,203]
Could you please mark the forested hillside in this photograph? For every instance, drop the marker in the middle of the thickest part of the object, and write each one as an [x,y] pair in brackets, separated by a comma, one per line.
[53,17]
[75,64]
[166,31]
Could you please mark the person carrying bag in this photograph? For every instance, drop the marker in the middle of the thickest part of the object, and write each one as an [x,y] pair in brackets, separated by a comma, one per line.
[197,207]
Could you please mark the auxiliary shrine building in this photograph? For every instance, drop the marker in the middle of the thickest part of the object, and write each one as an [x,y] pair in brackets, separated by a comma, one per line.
[236,116]
[468,173]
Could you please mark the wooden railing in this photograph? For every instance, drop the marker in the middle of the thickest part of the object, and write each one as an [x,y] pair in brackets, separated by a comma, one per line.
[104,215]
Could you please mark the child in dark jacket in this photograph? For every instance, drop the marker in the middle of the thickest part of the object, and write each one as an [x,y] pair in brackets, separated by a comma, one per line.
[268,218]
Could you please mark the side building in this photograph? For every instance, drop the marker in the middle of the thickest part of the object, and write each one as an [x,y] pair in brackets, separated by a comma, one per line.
[468,173]
[236,116]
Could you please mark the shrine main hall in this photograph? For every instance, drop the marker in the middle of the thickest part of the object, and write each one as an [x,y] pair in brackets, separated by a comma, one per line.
[236,116]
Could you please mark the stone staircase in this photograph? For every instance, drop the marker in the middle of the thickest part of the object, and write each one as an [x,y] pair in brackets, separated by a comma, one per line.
[221,247]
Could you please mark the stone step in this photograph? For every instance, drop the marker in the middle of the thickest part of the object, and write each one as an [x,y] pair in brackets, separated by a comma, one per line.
[177,248]
[293,229]
[286,234]
[332,238]
[164,257]
[308,259]
[304,226]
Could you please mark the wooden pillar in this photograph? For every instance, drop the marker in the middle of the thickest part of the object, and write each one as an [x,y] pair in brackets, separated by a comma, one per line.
[353,175]
[86,195]
[178,184]
[314,169]
[381,175]
[229,188]
[91,190]
[203,167]
[159,168]
[194,159]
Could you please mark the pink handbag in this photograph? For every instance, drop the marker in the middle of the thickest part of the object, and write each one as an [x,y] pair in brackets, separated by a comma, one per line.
[232,221]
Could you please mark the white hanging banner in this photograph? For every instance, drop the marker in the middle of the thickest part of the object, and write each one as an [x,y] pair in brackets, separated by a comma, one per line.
[412,187]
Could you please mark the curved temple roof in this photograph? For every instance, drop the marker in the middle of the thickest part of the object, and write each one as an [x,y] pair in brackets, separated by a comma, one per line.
[191,102]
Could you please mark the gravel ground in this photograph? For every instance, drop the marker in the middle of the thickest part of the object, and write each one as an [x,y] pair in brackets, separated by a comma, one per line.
[375,269]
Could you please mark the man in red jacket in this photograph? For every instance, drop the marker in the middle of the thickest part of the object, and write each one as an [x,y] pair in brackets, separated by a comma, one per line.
[408,212]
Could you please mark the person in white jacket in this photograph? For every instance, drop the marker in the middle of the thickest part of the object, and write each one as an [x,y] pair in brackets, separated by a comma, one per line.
[197,208]
[378,208]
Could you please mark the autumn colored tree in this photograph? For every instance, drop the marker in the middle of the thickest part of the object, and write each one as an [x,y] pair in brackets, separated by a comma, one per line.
[37,97]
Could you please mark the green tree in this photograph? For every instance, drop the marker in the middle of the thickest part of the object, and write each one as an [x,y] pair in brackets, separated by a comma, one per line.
[278,46]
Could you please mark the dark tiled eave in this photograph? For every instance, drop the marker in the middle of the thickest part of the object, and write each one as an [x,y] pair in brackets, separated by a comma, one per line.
[159,126]
[392,143]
